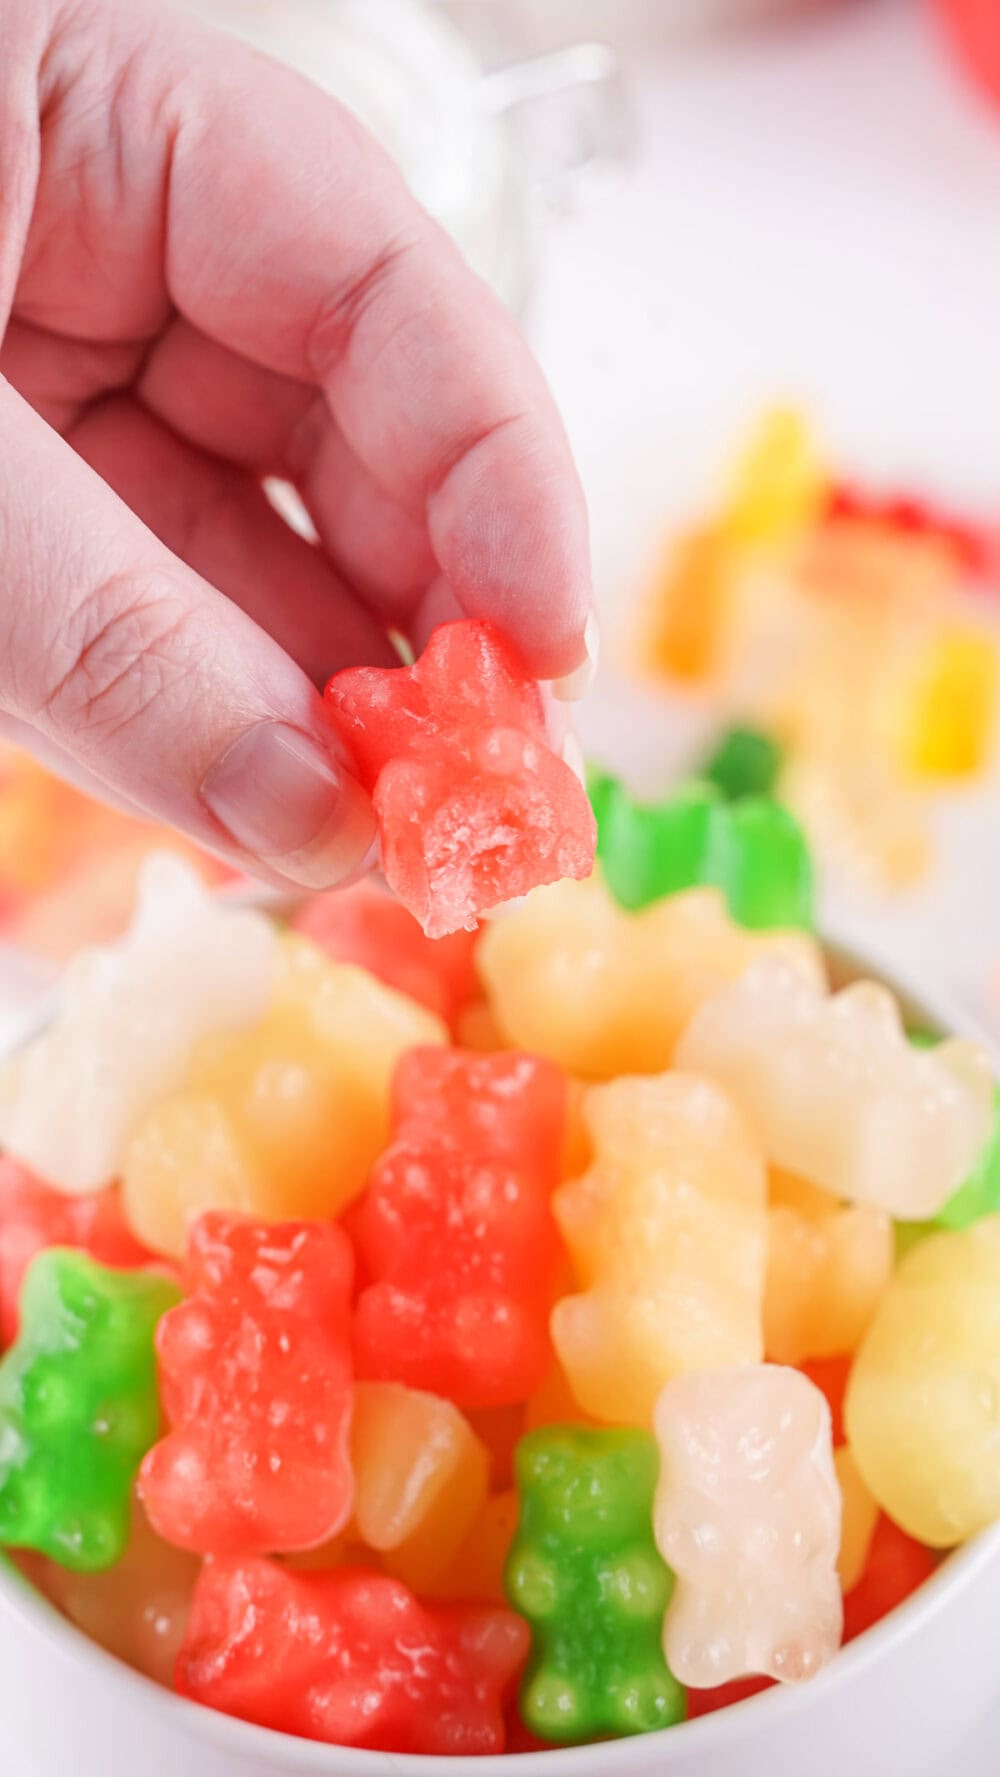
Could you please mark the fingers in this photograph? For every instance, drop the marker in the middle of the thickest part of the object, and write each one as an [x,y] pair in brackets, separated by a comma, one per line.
[340,281]
[153,682]
[218,520]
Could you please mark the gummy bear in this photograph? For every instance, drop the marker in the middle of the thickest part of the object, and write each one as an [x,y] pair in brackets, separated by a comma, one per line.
[724,1696]
[828,1264]
[948,717]
[605,992]
[585,1572]
[136,1610]
[838,1095]
[255,1372]
[473,807]
[689,608]
[753,850]
[350,1658]
[779,485]
[129,1017]
[366,926]
[913,517]
[477,1569]
[922,1410]
[858,1517]
[667,1232]
[33,1216]
[420,1478]
[456,1229]
[896,1565]
[285,1120]
[830,1375]
[748,1516]
[78,1407]
[744,762]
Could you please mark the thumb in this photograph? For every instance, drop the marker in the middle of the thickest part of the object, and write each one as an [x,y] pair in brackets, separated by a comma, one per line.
[151,682]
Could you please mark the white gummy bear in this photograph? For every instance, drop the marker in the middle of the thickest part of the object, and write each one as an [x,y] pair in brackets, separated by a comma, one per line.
[836,1092]
[128,1017]
[747,1515]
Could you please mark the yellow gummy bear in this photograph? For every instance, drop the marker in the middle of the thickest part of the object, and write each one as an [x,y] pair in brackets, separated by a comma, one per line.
[667,1233]
[779,483]
[922,1410]
[828,1264]
[949,715]
[573,976]
[859,1516]
[420,1479]
[283,1120]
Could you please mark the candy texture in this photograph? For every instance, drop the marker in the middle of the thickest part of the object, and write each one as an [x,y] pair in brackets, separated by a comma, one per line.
[667,1232]
[285,1120]
[923,1402]
[78,1407]
[607,992]
[33,1216]
[138,1609]
[473,807]
[255,1372]
[753,850]
[128,1019]
[333,1657]
[585,1572]
[748,1516]
[420,1479]
[366,926]
[838,1094]
[827,1266]
[456,1228]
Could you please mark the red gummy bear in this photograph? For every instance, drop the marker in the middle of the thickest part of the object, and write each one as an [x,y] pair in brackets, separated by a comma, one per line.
[473,807]
[255,1375]
[364,925]
[34,1216]
[896,1566]
[350,1658]
[723,1696]
[456,1229]
[830,1375]
[913,517]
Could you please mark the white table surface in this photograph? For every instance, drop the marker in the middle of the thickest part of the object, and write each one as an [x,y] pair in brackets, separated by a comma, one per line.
[815,214]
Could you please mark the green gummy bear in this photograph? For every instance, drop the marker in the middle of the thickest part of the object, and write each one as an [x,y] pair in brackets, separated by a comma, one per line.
[744,762]
[753,850]
[79,1407]
[976,1196]
[586,1573]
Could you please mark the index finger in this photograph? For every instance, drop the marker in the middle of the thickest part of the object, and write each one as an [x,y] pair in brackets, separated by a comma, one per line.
[292,238]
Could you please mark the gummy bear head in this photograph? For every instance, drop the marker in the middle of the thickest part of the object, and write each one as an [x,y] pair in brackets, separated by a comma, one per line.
[585,1485]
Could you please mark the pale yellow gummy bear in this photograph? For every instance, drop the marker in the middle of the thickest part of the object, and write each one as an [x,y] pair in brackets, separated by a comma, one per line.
[922,1411]
[747,1515]
[667,1235]
[283,1120]
[605,992]
[828,1264]
[837,1093]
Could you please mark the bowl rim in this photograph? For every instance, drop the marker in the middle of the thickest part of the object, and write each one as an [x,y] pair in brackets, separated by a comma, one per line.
[958,1570]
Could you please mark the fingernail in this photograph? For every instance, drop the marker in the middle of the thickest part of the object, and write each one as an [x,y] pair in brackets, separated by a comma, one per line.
[283,798]
[572,686]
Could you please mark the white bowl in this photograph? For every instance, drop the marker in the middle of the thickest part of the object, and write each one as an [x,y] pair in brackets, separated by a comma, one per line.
[898,1702]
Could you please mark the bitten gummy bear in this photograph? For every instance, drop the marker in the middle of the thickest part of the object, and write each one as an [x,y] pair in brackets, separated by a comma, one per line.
[748,1516]
[753,850]
[456,1228]
[837,1093]
[473,807]
[78,1407]
[128,1019]
[334,1657]
[255,1371]
[922,1409]
[585,1572]
[667,1232]
[33,1216]
[366,926]
[420,1479]
[606,992]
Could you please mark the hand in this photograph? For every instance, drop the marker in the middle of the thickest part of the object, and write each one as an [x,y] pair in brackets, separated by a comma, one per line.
[210,274]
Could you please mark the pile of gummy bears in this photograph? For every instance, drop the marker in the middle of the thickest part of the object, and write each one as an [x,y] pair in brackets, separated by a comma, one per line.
[797,583]
[600,1301]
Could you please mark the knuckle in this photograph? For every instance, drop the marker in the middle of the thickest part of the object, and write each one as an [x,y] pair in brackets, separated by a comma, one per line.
[129,642]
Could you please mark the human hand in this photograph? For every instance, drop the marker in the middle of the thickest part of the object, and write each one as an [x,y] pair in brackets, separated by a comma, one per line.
[210,274]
